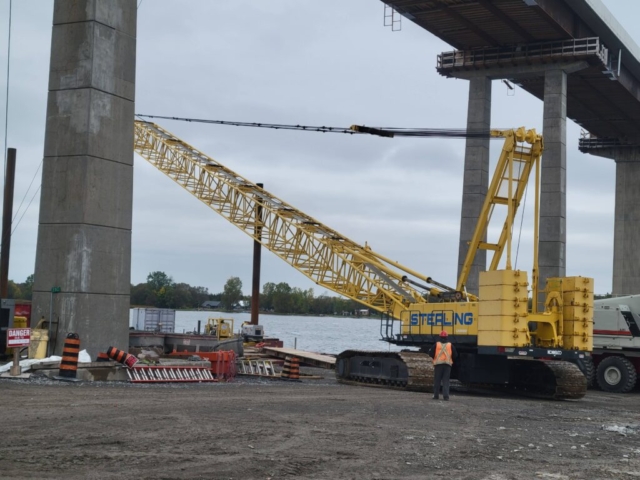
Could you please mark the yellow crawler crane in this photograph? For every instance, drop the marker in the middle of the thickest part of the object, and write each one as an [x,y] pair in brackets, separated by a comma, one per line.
[502,343]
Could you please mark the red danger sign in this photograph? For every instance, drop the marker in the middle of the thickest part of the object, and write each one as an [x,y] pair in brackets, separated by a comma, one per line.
[18,337]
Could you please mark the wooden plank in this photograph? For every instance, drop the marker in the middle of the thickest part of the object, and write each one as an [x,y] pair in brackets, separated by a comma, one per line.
[308,358]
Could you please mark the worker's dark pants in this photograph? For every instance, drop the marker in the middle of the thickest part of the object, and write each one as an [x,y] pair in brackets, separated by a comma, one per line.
[442,374]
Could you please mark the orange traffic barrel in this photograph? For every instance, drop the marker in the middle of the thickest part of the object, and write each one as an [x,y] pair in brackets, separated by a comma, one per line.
[102,357]
[70,352]
[122,356]
[294,369]
[286,368]
[290,369]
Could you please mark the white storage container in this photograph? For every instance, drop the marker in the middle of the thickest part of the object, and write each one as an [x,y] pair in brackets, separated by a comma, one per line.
[154,319]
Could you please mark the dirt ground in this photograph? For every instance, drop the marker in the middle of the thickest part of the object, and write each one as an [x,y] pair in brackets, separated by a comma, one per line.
[317,429]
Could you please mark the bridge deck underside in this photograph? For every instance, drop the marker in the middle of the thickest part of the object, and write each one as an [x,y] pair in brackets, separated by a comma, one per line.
[604,107]
[600,105]
[480,23]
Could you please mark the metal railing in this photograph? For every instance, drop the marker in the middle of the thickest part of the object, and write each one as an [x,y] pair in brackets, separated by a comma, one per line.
[491,56]
[589,141]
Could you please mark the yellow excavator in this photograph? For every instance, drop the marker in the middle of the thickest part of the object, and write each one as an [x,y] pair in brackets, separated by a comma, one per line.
[503,342]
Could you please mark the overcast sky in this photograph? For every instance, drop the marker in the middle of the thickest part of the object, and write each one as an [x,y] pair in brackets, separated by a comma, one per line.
[322,62]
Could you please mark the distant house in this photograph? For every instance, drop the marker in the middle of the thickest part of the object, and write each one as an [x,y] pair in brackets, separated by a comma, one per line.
[242,305]
[211,304]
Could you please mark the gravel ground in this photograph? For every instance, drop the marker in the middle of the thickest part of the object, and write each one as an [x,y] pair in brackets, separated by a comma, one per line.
[316,429]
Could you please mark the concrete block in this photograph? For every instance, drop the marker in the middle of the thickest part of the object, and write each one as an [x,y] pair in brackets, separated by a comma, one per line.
[554,123]
[480,88]
[553,204]
[476,190]
[626,155]
[105,59]
[625,285]
[476,177]
[555,135]
[83,259]
[118,14]
[555,106]
[87,190]
[553,258]
[553,179]
[555,156]
[467,230]
[477,158]
[89,122]
[555,81]
[557,140]
[553,228]
[101,321]
[477,143]
[93,372]
[471,206]
[477,114]
[71,67]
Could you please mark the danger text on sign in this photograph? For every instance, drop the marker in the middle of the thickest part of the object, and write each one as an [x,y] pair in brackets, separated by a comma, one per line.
[18,337]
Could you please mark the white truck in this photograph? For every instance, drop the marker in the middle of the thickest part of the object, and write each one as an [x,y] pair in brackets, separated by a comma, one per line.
[616,344]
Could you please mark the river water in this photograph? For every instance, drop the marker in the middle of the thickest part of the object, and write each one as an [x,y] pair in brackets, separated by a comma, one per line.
[314,334]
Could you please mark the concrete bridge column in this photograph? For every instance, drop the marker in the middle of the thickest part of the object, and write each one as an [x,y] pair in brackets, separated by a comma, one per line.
[553,188]
[476,175]
[626,236]
[84,235]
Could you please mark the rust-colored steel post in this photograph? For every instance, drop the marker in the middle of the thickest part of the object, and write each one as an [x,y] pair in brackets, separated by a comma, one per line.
[257,252]
[7,213]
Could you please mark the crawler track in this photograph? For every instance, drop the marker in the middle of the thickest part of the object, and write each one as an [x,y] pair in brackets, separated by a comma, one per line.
[397,370]
[550,379]
[547,379]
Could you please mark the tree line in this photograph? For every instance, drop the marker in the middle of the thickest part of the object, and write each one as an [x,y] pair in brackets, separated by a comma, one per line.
[21,291]
[161,291]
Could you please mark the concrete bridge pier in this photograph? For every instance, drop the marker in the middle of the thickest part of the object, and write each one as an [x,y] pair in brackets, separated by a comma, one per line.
[553,179]
[476,175]
[626,233]
[84,234]
[553,204]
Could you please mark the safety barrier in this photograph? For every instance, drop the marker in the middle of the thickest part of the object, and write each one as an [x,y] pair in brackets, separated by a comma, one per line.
[259,368]
[223,362]
[164,374]
[70,352]
[223,365]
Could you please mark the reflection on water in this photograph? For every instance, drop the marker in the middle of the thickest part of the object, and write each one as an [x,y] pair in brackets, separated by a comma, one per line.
[316,334]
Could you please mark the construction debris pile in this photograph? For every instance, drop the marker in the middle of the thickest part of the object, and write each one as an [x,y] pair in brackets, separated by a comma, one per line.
[153,366]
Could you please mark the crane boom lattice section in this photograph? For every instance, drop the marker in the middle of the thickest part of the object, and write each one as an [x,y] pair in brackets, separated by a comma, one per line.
[322,254]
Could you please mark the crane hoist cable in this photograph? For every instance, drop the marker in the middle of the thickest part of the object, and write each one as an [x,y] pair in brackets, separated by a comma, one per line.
[352,130]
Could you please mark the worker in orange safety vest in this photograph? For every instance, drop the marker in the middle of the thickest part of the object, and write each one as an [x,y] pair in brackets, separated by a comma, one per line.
[443,354]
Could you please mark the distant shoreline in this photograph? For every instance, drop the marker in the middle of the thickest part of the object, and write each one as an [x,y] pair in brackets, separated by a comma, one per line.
[226,312]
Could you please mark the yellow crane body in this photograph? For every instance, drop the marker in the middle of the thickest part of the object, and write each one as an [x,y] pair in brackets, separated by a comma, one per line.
[492,330]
